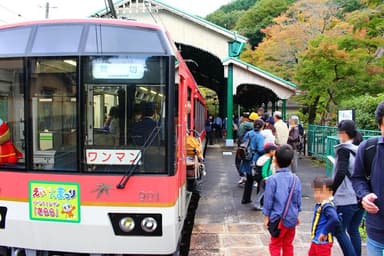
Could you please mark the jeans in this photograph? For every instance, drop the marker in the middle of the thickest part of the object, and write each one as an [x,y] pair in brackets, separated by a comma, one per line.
[260,194]
[210,137]
[349,236]
[374,248]
[237,164]
[247,189]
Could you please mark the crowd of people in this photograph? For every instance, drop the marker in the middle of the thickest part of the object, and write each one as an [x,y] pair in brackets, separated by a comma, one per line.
[214,127]
[267,158]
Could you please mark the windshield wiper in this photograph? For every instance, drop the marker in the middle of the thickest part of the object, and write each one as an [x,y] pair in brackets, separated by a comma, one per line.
[136,162]
[130,171]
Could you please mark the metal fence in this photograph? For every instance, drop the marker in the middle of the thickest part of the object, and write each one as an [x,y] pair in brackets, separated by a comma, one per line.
[322,139]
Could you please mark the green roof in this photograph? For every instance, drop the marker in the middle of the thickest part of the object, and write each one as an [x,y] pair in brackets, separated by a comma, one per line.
[229,59]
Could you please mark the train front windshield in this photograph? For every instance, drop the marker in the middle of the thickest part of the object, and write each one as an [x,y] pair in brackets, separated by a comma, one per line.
[126,100]
[104,115]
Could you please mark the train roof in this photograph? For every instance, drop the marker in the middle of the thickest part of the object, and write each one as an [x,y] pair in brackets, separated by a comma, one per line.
[74,37]
[118,22]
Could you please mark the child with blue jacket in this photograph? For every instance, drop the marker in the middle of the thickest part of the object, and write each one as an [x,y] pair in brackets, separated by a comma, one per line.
[325,220]
[282,201]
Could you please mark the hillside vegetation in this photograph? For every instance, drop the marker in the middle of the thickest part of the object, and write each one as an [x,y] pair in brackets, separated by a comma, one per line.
[332,49]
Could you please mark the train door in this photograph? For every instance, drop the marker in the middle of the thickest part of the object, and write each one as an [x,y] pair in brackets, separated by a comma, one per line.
[103,115]
[127,112]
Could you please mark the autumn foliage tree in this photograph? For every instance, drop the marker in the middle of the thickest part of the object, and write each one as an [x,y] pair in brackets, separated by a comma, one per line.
[332,49]
[328,74]
[289,36]
[258,17]
[331,54]
[336,68]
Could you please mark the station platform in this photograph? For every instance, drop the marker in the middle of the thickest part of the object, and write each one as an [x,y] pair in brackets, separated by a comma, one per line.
[225,227]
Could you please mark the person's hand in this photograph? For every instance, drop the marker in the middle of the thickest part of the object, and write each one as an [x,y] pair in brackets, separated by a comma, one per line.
[266,221]
[323,238]
[368,203]
[298,222]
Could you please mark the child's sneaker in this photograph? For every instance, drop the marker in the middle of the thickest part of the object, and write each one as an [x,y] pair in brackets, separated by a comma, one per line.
[242,180]
[257,207]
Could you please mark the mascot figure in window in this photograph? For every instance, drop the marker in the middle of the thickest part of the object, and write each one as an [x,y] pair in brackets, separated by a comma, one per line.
[8,152]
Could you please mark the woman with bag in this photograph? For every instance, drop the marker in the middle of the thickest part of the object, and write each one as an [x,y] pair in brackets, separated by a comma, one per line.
[344,196]
[256,144]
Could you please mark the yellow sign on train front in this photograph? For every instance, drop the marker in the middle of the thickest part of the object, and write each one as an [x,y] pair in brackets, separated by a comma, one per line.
[54,201]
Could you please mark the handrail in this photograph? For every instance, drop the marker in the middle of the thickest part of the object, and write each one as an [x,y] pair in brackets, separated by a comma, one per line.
[322,139]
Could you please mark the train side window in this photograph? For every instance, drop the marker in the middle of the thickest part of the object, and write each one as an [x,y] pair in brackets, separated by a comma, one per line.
[53,92]
[189,100]
[199,116]
[11,114]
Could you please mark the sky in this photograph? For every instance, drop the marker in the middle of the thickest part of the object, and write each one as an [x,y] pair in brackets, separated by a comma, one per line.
[13,11]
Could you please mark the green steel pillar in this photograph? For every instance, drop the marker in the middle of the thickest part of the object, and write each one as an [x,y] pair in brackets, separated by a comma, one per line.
[284,109]
[234,49]
[229,139]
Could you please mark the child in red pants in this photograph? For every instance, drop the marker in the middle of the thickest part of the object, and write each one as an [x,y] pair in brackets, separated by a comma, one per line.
[325,218]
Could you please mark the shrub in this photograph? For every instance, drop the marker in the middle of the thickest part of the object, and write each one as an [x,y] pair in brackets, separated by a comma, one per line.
[364,107]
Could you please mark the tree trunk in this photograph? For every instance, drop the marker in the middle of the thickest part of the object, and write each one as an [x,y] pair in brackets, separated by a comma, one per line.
[313,110]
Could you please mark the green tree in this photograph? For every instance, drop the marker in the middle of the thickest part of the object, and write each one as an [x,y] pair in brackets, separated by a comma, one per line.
[324,74]
[238,5]
[227,15]
[258,17]
[333,69]
[347,6]
[364,107]
[371,22]
[226,20]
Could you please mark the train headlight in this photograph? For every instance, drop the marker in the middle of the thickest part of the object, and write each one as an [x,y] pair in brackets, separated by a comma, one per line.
[149,224]
[127,224]
[136,224]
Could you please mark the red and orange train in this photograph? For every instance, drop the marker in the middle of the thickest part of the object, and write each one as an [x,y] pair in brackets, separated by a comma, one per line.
[98,111]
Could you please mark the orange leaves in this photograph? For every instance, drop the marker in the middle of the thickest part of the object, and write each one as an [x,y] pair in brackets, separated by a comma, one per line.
[372,70]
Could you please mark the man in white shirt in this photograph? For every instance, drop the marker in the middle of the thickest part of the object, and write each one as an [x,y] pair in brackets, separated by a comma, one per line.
[281,129]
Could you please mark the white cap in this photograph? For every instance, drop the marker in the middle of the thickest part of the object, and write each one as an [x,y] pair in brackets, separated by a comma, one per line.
[278,114]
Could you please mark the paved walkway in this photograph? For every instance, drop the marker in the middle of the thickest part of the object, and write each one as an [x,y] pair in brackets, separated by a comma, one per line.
[223,226]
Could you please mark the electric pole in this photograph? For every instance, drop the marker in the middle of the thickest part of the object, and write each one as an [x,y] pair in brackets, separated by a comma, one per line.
[46,10]
[47,7]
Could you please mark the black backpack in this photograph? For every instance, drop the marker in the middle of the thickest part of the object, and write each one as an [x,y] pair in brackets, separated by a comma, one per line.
[244,151]
[301,129]
[369,154]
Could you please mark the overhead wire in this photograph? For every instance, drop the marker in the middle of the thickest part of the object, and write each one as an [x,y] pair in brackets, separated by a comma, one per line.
[149,11]
[10,11]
